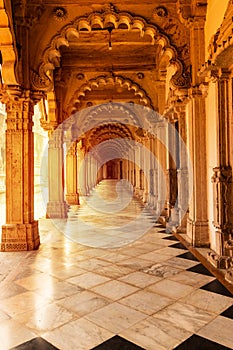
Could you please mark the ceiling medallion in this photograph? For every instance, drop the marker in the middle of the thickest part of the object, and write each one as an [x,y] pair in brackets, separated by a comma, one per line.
[140,75]
[59,14]
[160,11]
[80,76]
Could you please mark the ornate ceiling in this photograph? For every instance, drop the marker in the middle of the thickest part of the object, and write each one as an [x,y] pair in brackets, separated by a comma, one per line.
[89,53]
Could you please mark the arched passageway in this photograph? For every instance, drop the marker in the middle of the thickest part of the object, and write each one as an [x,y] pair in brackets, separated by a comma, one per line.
[101,63]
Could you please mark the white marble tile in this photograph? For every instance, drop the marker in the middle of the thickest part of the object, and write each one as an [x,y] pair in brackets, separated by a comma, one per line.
[208,301]
[45,318]
[80,334]
[67,271]
[139,279]
[113,271]
[114,257]
[154,334]
[114,290]
[3,316]
[146,302]
[59,290]
[134,263]
[161,270]
[13,333]
[22,302]
[84,303]
[181,263]
[219,330]
[88,280]
[155,257]
[185,316]
[171,289]
[191,278]
[37,281]
[92,264]
[116,317]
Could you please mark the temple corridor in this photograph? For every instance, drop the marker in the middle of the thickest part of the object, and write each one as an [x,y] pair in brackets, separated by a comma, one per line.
[109,287]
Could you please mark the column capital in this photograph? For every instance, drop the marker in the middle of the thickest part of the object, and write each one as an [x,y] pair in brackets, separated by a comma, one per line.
[192,13]
[56,139]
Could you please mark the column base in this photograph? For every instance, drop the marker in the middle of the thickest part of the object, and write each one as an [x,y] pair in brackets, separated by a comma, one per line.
[72,198]
[198,232]
[18,237]
[56,210]
[218,261]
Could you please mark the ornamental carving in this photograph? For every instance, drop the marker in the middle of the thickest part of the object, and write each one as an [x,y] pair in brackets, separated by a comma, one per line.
[222,180]
[59,14]
[114,81]
[51,56]
[160,11]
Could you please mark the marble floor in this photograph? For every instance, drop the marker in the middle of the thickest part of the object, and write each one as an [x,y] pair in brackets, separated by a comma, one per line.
[110,277]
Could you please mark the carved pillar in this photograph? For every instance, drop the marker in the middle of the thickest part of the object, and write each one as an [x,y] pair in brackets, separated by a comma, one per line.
[171,179]
[197,226]
[182,167]
[162,156]
[146,168]
[222,179]
[56,207]
[151,174]
[21,230]
[72,196]
[82,178]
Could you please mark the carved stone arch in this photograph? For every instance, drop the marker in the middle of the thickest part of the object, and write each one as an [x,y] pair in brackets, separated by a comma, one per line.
[125,21]
[114,113]
[109,131]
[8,50]
[104,81]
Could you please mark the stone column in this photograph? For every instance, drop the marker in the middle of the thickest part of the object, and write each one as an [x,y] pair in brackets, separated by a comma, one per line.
[21,230]
[72,196]
[172,161]
[198,228]
[56,207]
[146,169]
[182,171]
[222,179]
[162,156]
[197,223]
[82,174]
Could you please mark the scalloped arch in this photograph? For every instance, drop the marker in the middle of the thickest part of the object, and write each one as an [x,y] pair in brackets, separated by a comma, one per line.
[8,50]
[114,81]
[123,20]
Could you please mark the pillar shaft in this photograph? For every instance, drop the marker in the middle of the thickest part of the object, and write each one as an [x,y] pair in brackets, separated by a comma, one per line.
[21,230]
[72,196]
[56,207]
[222,178]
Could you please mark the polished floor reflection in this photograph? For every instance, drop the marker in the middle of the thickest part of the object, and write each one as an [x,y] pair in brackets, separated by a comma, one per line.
[130,283]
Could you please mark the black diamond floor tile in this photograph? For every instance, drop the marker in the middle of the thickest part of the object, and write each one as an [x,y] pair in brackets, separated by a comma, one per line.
[35,344]
[171,238]
[228,312]
[195,342]
[117,343]
[217,287]
[200,269]
[188,256]
[178,245]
